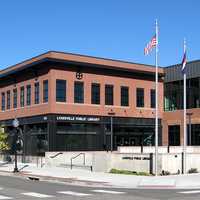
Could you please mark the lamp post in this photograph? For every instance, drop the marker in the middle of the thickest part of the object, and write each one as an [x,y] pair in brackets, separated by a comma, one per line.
[15,124]
[190,128]
[111,114]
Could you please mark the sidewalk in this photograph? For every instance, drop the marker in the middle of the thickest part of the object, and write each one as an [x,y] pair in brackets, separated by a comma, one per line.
[100,179]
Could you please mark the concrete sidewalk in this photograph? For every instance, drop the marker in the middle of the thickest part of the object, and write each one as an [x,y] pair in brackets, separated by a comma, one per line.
[100,179]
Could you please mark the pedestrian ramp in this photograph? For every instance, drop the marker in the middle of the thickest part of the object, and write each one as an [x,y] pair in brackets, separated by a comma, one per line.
[67,193]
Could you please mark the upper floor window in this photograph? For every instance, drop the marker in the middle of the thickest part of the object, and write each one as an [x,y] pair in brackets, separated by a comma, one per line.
[95,94]
[22,96]
[37,93]
[109,95]
[15,98]
[124,96]
[45,91]
[78,92]
[3,101]
[140,97]
[28,95]
[60,90]
[8,99]
[153,100]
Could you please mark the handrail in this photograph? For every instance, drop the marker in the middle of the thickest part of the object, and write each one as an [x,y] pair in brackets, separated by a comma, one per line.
[56,155]
[72,158]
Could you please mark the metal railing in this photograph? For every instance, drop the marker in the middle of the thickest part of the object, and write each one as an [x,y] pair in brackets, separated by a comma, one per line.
[72,158]
[56,155]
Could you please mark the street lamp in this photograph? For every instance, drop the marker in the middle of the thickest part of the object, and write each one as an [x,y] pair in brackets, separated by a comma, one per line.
[111,114]
[15,124]
[190,128]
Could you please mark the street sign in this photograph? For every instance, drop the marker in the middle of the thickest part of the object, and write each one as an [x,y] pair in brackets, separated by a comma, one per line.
[15,123]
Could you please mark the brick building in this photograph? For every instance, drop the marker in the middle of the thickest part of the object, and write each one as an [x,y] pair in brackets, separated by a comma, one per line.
[67,101]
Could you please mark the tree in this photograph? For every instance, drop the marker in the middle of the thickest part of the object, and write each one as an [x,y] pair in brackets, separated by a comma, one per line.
[3,140]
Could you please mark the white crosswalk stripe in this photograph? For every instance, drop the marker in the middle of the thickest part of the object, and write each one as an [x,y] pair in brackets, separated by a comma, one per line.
[4,197]
[190,192]
[74,193]
[34,194]
[108,191]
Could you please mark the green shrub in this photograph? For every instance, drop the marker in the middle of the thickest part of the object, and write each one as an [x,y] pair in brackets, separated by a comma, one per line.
[192,170]
[3,140]
[127,172]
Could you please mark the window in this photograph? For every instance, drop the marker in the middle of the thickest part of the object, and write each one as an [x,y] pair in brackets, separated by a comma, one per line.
[153,100]
[28,95]
[95,93]
[108,94]
[140,97]
[8,99]
[45,91]
[78,92]
[124,96]
[22,96]
[174,135]
[60,90]
[3,101]
[15,98]
[37,93]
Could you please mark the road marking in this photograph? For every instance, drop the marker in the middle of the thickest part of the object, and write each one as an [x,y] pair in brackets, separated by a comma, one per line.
[39,195]
[190,192]
[74,193]
[108,191]
[5,197]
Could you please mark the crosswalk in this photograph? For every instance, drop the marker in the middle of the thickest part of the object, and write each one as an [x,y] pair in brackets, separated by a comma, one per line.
[67,193]
[190,192]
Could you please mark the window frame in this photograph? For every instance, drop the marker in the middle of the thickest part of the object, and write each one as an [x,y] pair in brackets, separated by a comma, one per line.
[45,91]
[124,94]
[96,93]
[109,94]
[139,98]
[60,96]
[79,92]
[37,93]
[22,92]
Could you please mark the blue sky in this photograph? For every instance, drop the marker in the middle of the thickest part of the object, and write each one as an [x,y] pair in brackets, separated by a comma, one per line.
[117,29]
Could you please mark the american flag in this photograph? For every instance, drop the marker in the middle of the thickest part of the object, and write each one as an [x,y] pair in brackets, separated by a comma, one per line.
[150,45]
[184,63]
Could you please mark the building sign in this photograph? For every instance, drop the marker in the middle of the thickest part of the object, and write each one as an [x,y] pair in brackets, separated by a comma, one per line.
[135,158]
[78,118]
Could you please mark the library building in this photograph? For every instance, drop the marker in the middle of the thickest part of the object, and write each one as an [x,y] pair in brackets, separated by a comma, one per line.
[71,102]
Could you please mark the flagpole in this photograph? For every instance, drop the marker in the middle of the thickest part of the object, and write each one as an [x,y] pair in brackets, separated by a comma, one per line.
[156,119]
[184,115]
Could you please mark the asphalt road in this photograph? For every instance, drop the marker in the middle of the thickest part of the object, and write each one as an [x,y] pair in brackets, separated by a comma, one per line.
[18,188]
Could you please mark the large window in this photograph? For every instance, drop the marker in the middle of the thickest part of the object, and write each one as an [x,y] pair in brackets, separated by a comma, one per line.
[37,93]
[78,92]
[140,97]
[95,93]
[60,90]
[28,95]
[22,96]
[193,137]
[15,98]
[124,96]
[174,135]
[108,94]
[45,91]
[173,94]
[8,99]
[153,95]
[3,101]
